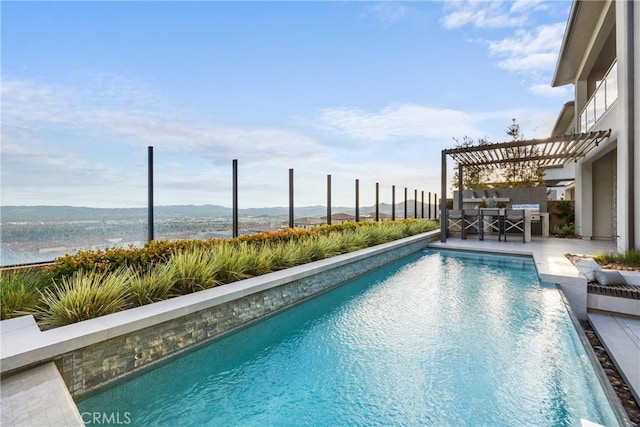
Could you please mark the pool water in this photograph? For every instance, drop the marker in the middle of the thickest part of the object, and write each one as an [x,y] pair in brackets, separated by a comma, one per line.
[442,339]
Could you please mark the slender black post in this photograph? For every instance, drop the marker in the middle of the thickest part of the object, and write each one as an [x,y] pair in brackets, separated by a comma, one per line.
[443,203]
[357,200]
[393,203]
[460,186]
[291,222]
[429,206]
[377,201]
[405,202]
[422,204]
[150,194]
[235,198]
[415,203]
[328,199]
[435,205]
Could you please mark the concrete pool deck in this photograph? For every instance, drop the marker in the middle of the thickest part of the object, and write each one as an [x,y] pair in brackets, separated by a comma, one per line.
[38,397]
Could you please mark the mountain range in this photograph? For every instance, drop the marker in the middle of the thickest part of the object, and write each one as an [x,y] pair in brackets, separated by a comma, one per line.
[75,213]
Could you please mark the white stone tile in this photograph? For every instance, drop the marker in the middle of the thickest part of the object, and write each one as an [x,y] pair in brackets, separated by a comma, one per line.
[37,396]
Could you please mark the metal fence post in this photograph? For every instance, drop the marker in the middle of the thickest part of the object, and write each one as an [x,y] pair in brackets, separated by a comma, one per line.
[357,200]
[328,199]
[415,203]
[405,202]
[377,201]
[235,198]
[291,221]
[422,204]
[393,203]
[150,230]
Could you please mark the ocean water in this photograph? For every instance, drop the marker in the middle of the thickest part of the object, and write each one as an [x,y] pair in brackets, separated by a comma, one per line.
[438,339]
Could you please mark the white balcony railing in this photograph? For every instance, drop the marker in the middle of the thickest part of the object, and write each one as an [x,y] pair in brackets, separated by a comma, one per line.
[601,101]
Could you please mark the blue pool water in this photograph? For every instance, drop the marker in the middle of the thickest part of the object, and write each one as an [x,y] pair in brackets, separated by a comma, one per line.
[441,339]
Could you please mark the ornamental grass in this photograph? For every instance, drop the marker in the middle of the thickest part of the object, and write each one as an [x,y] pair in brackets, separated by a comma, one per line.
[95,283]
[83,296]
[192,271]
[19,291]
[630,258]
[150,286]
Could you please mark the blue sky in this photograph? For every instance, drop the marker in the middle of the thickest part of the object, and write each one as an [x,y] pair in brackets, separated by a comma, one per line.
[359,90]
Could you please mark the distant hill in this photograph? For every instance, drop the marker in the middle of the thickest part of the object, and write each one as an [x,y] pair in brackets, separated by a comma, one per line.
[75,213]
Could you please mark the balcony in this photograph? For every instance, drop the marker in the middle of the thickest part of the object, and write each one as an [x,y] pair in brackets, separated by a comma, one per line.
[601,101]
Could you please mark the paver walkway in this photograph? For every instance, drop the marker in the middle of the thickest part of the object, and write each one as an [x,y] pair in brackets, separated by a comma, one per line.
[38,397]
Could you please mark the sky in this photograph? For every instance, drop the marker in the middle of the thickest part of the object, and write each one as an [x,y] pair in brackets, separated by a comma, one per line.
[359,90]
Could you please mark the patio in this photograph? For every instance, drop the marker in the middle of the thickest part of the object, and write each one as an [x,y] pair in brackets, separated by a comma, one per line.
[544,153]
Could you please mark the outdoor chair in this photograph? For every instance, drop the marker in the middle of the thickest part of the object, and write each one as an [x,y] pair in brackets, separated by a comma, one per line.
[491,223]
[514,223]
[455,222]
[471,222]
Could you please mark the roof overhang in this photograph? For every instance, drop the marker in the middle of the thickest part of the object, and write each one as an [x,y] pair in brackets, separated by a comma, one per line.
[565,118]
[555,151]
[583,18]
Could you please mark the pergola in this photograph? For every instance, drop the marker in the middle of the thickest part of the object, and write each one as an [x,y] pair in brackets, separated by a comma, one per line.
[554,151]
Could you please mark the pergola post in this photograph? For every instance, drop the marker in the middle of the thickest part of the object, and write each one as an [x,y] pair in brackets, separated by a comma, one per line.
[443,204]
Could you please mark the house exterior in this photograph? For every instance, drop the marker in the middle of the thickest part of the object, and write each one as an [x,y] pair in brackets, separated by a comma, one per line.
[339,218]
[371,216]
[308,222]
[599,58]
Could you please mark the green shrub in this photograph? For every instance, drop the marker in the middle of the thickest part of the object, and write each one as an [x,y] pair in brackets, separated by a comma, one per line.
[19,291]
[94,283]
[83,296]
[567,230]
[160,251]
[565,211]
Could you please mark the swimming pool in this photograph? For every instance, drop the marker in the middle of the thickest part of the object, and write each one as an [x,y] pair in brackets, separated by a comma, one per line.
[440,338]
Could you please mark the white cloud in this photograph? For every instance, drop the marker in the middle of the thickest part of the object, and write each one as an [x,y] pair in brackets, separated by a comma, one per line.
[547,91]
[88,148]
[530,52]
[25,103]
[483,14]
[386,12]
[527,5]
[396,122]
[59,142]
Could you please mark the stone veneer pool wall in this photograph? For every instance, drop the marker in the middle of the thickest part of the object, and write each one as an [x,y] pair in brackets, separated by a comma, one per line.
[96,352]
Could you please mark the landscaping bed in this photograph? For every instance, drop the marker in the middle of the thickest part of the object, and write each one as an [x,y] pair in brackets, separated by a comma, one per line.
[90,284]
